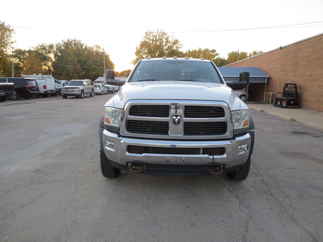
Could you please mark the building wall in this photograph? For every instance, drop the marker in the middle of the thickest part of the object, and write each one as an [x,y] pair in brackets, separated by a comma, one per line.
[301,62]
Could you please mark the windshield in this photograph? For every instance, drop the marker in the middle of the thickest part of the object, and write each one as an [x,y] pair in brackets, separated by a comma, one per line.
[176,70]
[75,83]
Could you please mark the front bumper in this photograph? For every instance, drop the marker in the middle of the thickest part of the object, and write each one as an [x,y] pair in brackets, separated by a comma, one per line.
[237,151]
[98,91]
[71,92]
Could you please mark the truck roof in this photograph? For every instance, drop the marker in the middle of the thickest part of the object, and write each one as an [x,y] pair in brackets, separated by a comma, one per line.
[175,59]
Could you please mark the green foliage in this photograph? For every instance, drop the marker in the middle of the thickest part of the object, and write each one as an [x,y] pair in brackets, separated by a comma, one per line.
[220,61]
[234,56]
[160,44]
[237,55]
[207,54]
[157,44]
[5,46]
[75,60]
[254,53]
[37,60]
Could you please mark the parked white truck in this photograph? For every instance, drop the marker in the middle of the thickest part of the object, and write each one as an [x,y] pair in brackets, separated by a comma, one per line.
[78,88]
[176,116]
[45,83]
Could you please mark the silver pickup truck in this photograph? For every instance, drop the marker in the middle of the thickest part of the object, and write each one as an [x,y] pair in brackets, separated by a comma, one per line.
[78,88]
[176,116]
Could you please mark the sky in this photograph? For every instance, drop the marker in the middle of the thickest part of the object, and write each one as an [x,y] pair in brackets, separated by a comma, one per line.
[118,26]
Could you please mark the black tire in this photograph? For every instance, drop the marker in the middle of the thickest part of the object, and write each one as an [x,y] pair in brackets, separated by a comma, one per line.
[64,97]
[2,99]
[239,173]
[108,171]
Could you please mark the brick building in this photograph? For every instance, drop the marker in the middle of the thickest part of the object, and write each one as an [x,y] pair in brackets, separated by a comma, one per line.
[300,62]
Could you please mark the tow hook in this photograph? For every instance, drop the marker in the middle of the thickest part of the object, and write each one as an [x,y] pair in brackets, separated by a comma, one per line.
[134,168]
[216,170]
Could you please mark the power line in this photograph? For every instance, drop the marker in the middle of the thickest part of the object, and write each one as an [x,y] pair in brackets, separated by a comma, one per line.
[253,28]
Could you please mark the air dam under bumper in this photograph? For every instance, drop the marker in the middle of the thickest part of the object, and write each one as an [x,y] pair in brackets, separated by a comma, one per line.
[237,151]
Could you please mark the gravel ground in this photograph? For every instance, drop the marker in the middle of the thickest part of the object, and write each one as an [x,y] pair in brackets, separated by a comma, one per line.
[51,188]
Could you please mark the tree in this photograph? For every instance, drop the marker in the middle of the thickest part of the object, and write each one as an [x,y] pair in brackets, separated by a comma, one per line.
[208,54]
[38,60]
[124,73]
[234,56]
[75,60]
[255,52]
[220,61]
[157,44]
[5,47]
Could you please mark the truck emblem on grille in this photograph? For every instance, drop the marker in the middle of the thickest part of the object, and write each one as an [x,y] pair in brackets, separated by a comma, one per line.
[176,119]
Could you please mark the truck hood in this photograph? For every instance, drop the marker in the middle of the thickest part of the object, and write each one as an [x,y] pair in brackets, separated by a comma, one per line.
[165,90]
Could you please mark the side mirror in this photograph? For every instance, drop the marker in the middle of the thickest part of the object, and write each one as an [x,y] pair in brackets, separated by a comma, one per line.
[244,78]
[109,77]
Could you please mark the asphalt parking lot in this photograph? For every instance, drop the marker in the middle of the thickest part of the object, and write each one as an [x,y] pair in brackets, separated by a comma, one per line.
[51,188]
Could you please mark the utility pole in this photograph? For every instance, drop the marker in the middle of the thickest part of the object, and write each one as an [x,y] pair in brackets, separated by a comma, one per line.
[103,64]
[12,69]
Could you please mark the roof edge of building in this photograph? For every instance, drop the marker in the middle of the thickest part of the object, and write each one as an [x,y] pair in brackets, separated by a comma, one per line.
[279,48]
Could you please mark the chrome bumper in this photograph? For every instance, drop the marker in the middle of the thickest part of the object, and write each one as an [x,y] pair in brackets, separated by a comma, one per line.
[71,92]
[236,151]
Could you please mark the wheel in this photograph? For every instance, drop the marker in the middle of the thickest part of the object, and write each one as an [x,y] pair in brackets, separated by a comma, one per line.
[240,172]
[107,169]
[2,99]
[64,96]
[284,104]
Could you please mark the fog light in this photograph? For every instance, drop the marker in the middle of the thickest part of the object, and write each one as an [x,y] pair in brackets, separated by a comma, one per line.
[242,149]
[109,145]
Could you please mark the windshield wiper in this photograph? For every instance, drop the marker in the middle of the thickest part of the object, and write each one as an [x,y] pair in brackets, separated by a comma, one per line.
[146,80]
[191,80]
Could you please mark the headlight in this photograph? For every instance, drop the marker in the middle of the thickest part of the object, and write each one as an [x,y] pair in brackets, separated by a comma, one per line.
[240,119]
[112,116]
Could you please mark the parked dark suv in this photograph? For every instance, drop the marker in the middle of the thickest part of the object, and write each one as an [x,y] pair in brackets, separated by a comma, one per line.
[24,88]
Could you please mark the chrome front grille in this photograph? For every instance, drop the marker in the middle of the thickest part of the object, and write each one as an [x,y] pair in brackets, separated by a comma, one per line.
[203,112]
[205,128]
[148,127]
[150,110]
[176,119]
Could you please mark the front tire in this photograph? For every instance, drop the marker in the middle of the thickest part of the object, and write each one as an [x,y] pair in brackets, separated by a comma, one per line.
[240,172]
[108,171]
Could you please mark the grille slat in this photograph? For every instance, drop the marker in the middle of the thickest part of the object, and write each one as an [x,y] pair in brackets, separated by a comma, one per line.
[150,110]
[148,127]
[203,112]
[134,149]
[162,150]
[205,128]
